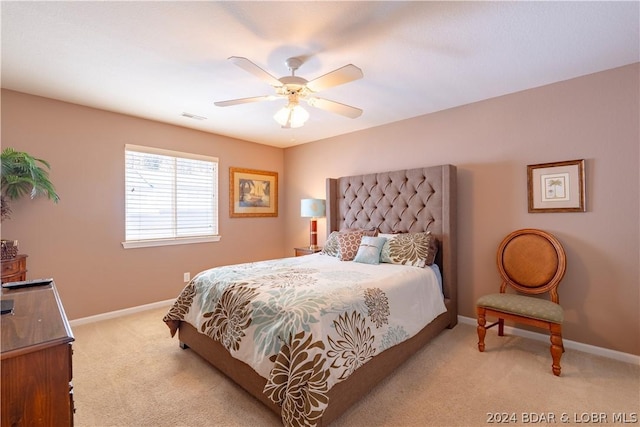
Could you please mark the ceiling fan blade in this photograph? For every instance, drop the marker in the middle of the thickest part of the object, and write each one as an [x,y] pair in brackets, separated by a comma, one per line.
[335,107]
[252,68]
[245,100]
[346,74]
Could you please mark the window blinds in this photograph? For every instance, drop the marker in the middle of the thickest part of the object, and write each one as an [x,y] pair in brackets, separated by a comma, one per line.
[169,195]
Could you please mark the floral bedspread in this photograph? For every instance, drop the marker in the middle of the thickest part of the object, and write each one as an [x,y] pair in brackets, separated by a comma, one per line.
[306,323]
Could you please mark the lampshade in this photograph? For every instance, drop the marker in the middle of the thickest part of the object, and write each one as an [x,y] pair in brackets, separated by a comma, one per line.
[312,208]
[291,116]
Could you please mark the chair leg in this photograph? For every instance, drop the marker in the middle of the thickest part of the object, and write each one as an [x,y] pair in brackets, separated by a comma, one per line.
[501,327]
[482,330]
[557,347]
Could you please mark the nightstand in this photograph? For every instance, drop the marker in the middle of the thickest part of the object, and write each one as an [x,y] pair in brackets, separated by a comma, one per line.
[14,269]
[306,250]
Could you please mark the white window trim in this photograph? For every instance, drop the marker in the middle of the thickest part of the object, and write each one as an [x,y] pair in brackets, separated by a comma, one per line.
[168,242]
[133,244]
[172,153]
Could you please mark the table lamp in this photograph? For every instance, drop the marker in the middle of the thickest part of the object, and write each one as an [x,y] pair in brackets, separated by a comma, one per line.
[314,209]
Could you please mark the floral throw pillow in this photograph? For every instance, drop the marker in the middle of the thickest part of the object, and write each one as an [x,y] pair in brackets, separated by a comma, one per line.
[331,245]
[416,249]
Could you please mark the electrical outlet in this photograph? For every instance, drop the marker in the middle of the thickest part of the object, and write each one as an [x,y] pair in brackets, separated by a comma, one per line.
[186,277]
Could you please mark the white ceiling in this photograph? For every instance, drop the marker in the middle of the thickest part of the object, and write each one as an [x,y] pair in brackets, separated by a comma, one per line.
[157,60]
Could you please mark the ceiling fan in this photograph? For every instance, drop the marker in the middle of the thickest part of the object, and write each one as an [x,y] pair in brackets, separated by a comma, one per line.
[296,89]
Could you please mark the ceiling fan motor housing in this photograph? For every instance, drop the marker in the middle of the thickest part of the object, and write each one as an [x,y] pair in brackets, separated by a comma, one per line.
[293,83]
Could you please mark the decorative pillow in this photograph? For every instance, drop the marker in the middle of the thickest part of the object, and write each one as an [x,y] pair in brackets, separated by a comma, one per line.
[416,249]
[369,250]
[384,253]
[348,244]
[331,245]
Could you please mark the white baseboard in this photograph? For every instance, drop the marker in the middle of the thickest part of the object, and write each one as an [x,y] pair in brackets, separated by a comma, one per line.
[587,348]
[120,313]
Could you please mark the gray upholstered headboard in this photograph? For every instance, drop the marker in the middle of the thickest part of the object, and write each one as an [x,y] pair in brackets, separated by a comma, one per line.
[410,200]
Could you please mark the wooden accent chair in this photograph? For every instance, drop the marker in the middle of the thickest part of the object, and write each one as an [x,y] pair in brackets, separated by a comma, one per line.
[532,262]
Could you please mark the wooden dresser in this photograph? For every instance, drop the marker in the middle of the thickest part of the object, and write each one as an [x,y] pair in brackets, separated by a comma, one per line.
[36,359]
[14,269]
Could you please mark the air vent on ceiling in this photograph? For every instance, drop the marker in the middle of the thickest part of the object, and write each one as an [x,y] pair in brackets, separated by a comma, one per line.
[193,116]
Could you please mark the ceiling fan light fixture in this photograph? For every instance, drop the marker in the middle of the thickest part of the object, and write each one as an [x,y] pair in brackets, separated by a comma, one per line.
[296,88]
[291,116]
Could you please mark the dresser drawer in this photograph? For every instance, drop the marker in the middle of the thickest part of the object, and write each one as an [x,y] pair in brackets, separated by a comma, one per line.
[18,277]
[14,268]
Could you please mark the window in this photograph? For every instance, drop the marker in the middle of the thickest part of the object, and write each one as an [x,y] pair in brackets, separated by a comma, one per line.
[170,197]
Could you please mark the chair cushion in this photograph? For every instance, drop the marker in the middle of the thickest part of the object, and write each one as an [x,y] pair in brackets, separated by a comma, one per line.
[521,305]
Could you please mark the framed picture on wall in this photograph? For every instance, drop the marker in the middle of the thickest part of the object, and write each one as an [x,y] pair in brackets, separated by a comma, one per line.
[556,187]
[252,193]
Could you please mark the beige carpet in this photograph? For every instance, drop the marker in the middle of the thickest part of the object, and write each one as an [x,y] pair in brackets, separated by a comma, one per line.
[129,372]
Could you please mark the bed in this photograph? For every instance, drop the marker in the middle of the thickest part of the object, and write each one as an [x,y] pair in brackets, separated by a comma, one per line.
[300,371]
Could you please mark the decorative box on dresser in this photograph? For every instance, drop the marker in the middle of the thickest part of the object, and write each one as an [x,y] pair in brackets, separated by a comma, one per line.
[36,368]
[14,269]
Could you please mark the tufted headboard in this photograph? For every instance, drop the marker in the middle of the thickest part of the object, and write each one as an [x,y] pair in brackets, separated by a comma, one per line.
[410,200]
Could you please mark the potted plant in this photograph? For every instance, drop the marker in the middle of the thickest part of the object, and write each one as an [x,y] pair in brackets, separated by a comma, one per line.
[22,174]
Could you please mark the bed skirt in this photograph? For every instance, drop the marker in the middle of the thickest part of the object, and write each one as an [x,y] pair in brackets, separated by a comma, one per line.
[342,395]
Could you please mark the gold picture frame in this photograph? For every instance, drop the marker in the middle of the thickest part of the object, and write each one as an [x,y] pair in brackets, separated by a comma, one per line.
[556,187]
[252,193]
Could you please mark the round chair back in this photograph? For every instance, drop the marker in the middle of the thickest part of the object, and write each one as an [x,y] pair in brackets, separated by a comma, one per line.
[532,262]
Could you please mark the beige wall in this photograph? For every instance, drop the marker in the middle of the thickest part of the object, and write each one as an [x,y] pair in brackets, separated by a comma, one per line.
[78,241]
[491,142]
[593,118]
